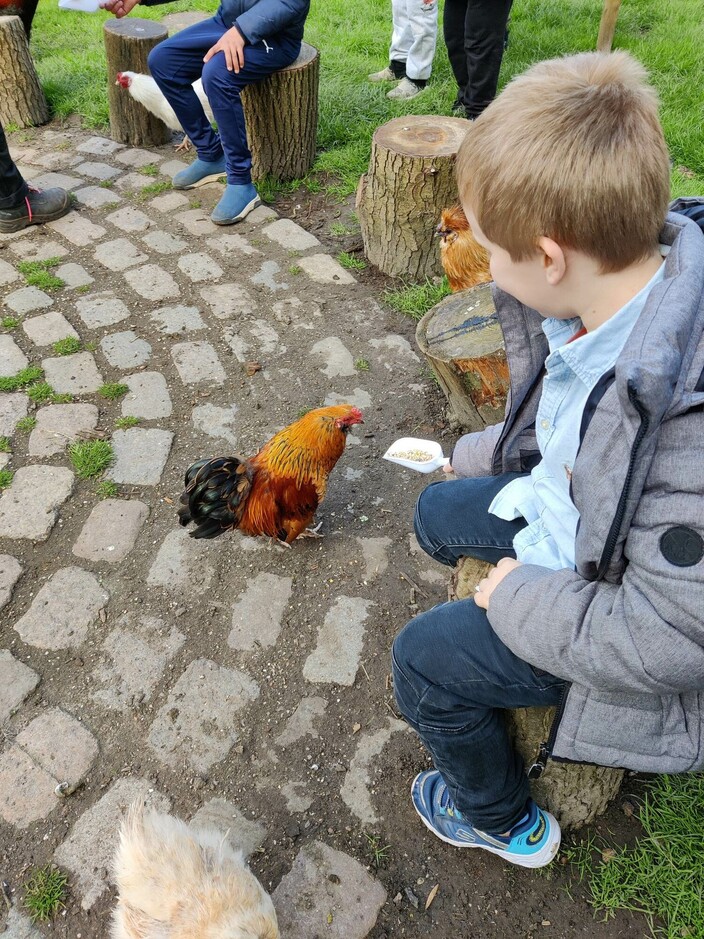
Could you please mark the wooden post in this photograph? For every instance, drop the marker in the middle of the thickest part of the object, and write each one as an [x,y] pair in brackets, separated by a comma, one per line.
[282,118]
[461,339]
[22,100]
[128,42]
[576,793]
[411,178]
[607,27]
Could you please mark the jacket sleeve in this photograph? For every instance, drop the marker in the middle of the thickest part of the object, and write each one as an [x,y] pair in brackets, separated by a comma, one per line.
[473,454]
[645,634]
[268,17]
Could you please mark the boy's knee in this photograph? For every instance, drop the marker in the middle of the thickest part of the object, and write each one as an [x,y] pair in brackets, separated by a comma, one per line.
[426,512]
[156,59]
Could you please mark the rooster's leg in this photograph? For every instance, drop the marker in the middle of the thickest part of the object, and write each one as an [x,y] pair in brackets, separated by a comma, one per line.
[184,146]
[312,532]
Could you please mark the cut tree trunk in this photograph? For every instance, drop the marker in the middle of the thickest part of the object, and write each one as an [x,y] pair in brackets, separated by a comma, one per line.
[575,793]
[607,26]
[411,179]
[22,100]
[128,42]
[461,339]
[282,118]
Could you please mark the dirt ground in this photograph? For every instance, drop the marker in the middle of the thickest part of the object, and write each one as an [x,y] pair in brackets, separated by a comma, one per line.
[477,896]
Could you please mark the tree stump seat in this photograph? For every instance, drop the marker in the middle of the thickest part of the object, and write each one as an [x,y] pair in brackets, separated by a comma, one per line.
[281,112]
[22,101]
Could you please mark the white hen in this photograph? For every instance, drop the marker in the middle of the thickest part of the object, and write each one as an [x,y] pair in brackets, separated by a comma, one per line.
[144,89]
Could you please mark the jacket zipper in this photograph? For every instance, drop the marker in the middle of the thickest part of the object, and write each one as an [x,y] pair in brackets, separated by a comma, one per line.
[545,749]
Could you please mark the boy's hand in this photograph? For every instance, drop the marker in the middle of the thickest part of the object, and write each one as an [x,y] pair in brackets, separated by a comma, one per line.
[119,7]
[232,44]
[487,585]
[447,468]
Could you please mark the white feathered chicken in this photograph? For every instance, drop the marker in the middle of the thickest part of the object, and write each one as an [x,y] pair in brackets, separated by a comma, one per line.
[144,89]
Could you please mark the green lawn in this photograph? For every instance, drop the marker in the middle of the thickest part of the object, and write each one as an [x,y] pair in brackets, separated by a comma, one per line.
[667,35]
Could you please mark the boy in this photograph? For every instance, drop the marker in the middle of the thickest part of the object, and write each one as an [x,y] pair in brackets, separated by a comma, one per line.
[595,601]
[243,43]
[415,32]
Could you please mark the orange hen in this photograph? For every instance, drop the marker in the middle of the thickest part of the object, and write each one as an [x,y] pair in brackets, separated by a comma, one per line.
[278,490]
[464,261]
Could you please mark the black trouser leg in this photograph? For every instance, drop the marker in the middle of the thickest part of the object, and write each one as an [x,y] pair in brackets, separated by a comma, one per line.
[13,188]
[484,37]
[453,30]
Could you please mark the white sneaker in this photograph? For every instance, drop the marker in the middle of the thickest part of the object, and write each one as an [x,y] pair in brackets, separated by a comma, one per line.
[385,75]
[404,90]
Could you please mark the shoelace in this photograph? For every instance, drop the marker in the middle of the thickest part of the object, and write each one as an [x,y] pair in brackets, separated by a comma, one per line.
[26,199]
[447,806]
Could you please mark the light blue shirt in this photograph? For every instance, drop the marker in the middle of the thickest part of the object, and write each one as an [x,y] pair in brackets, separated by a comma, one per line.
[572,371]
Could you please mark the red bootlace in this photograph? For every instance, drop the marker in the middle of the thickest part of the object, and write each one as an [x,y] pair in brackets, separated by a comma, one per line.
[29,205]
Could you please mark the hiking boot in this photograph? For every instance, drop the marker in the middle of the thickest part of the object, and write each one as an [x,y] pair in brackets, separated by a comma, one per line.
[532,842]
[199,173]
[236,204]
[405,89]
[385,75]
[39,206]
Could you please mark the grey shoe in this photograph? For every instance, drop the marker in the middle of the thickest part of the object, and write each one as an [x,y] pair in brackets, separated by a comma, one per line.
[404,90]
[385,75]
[41,205]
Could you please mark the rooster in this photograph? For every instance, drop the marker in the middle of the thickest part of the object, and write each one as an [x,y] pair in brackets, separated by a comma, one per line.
[145,90]
[278,490]
[463,259]
[179,883]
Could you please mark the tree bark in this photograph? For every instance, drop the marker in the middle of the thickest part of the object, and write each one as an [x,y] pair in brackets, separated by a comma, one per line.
[607,26]
[576,793]
[461,339]
[128,42]
[411,178]
[22,102]
[282,118]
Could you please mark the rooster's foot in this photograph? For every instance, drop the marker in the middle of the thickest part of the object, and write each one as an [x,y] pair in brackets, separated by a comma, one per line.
[312,532]
[184,146]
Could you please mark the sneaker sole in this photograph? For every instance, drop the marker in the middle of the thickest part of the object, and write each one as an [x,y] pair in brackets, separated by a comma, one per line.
[540,859]
[238,218]
[202,182]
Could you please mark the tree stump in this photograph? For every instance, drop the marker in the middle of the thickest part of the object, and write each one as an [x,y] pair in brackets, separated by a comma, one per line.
[461,339]
[411,178]
[281,113]
[575,793]
[22,100]
[128,42]
[607,26]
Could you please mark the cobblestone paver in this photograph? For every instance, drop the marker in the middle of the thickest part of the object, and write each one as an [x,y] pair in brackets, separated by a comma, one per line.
[244,684]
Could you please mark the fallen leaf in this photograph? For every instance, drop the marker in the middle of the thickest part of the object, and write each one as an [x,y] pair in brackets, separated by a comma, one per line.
[170,501]
[608,854]
[251,368]
[356,727]
[412,898]
[431,896]
[546,922]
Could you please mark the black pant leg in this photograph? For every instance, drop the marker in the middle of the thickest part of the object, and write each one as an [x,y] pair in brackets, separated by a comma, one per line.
[13,188]
[453,30]
[484,35]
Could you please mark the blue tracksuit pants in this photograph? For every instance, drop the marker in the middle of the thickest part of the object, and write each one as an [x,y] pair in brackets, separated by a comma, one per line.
[178,61]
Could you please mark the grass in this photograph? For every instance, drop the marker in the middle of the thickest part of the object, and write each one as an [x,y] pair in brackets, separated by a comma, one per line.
[151,169]
[43,393]
[379,853]
[5,446]
[26,424]
[23,378]
[38,274]
[122,423]
[107,489]
[90,457]
[45,893]
[113,390]
[351,262]
[295,269]
[10,322]
[67,346]
[153,189]
[362,365]
[666,35]
[5,478]
[415,300]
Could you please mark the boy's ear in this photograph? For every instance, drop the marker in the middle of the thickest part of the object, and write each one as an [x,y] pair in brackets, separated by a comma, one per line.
[554,261]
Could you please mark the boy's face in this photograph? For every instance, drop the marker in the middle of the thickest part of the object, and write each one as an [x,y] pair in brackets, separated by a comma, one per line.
[527,280]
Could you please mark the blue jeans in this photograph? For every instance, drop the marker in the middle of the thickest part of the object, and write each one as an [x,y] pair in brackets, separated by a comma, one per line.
[453,677]
[178,61]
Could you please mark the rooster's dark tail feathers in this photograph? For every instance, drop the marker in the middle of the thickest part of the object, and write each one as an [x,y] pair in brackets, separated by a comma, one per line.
[215,495]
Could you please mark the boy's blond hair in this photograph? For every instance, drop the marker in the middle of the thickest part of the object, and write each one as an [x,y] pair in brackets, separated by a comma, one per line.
[572,150]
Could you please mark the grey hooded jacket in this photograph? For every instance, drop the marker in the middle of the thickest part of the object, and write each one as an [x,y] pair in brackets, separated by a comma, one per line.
[625,628]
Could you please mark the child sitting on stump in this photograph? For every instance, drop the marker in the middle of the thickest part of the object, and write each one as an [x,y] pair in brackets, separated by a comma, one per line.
[246,41]
[588,498]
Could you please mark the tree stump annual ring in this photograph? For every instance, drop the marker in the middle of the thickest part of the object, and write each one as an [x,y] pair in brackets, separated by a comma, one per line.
[423,137]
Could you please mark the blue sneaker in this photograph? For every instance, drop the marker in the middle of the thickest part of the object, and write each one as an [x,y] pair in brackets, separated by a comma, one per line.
[533,842]
[236,203]
[199,173]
